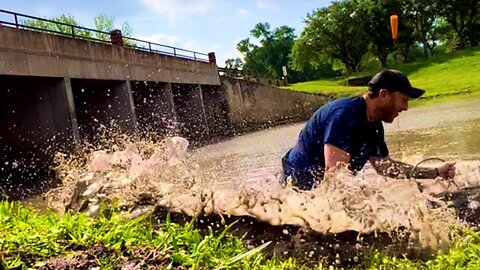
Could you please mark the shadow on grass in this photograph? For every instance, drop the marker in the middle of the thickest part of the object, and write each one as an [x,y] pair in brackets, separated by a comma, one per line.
[409,68]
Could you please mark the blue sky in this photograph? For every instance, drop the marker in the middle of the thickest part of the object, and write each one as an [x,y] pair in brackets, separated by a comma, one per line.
[199,25]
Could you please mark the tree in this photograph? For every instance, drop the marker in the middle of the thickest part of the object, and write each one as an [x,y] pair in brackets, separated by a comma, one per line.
[331,33]
[309,63]
[62,27]
[406,38]
[375,23]
[236,63]
[102,23]
[423,15]
[269,51]
[464,18]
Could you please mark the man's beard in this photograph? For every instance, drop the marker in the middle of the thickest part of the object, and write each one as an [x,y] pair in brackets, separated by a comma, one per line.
[387,114]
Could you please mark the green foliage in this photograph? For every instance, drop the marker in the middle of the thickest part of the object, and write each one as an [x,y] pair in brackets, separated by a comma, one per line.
[308,62]
[236,63]
[59,27]
[464,18]
[346,29]
[102,23]
[332,33]
[465,254]
[28,238]
[428,74]
[375,24]
[268,52]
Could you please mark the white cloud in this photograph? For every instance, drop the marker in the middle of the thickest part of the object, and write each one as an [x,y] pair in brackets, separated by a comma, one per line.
[164,39]
[174,9]
[242,12]
[266,4]
[192,45]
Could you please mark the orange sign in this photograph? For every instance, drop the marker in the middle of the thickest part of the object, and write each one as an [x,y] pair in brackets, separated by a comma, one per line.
[394,26]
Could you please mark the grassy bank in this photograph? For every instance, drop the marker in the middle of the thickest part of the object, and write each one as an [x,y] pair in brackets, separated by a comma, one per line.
[444,76]
[50,241]
[28,239]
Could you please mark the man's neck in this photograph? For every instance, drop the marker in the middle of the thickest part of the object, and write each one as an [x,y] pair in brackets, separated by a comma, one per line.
[371,112]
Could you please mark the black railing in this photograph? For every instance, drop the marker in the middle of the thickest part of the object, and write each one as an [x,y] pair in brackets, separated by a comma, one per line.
[79,32]
[238,73]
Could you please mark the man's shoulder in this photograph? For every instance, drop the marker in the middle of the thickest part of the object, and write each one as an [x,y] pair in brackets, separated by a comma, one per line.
[350,105]
[348,102]
[340,109]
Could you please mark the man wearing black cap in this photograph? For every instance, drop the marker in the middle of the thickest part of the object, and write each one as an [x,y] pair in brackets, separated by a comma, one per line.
[350,131]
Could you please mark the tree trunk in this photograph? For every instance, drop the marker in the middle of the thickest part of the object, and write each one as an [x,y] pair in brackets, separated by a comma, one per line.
[383,60]
[425,46]
[431,47]
[405,52]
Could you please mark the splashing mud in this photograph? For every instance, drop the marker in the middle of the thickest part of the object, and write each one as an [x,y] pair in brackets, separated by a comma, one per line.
[146,177]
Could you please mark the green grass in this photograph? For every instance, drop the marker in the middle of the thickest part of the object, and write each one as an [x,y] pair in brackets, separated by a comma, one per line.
[444,76]
[30,240]
[464,254]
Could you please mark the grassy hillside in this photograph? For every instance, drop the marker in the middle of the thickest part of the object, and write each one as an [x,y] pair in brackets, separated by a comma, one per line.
[444,76]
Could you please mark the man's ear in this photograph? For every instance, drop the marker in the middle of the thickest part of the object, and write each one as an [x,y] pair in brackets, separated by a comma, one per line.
[383,93]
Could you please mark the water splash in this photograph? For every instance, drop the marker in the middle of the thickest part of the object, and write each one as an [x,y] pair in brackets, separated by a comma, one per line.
[144,176]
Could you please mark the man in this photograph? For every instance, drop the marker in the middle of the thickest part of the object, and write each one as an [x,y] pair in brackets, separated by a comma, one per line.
[350,131]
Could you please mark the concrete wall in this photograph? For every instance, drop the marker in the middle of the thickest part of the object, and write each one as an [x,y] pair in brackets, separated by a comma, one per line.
[31,53]
[216,111]
[191,116]
[36,118]
[99,104]
[154,107]
[253,105]
[56,90]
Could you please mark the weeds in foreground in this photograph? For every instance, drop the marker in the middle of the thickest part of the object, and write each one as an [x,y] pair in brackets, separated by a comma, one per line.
[28,239]
[32,240]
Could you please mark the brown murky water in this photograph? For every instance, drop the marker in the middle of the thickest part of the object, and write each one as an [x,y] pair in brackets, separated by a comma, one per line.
[448,131]
[239,178]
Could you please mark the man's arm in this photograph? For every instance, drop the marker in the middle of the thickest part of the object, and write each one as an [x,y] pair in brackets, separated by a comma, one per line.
[396,169]
[334,156]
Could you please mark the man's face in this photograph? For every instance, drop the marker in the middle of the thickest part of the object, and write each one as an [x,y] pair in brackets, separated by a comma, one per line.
[392,104]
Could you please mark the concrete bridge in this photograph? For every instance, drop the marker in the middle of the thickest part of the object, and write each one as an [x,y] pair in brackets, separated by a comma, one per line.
[56,91]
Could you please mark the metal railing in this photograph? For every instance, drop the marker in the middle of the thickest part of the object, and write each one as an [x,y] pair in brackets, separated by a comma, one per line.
[238,73]
[79,32]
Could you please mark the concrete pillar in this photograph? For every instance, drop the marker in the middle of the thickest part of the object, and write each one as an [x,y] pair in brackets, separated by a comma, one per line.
[217,111]
[190,110]
[101,104]
[71,109]
[154,108]
[212,58]
[36,120]
[128,118]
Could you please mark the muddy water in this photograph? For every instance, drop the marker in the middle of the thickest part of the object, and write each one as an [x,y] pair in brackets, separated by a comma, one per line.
[367,202]
[448,131]
[239,178]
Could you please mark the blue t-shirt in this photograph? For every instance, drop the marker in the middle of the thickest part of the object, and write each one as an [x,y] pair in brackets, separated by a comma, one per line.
[342,123]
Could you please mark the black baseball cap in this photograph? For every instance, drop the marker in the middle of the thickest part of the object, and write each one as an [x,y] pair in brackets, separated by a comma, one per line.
[394,80]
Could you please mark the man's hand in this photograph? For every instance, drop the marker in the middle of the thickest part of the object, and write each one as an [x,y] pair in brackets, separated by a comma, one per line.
[446,170]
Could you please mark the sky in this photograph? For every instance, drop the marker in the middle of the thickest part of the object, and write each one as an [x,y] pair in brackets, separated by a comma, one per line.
[198,25]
